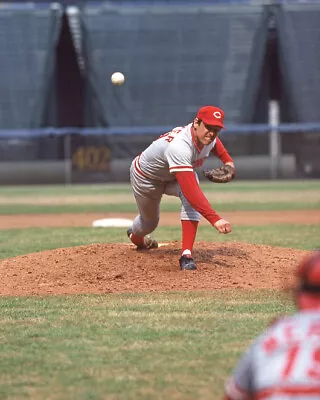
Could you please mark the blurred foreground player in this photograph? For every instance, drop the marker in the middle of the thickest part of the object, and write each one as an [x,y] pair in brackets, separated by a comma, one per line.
[284,362]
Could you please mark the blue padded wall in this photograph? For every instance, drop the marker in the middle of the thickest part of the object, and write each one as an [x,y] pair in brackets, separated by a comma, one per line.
[298,29]
[175,59]
[27,44]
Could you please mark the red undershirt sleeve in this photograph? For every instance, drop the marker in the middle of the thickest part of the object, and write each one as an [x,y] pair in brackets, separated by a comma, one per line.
[220,151]
[192,192]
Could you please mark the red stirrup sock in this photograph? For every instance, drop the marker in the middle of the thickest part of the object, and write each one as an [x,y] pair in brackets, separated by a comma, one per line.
[137,240]
[189,231]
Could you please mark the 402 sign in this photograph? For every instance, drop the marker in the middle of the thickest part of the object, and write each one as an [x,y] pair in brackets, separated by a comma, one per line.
[91,158]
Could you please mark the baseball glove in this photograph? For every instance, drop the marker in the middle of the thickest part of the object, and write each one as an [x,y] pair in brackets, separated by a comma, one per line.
[223,174]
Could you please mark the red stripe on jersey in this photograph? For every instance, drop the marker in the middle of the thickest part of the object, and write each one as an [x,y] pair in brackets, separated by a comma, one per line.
[137,167]
[288,391]
[194,140]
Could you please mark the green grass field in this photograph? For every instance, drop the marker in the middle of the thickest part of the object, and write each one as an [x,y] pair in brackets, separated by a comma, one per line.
[137,346]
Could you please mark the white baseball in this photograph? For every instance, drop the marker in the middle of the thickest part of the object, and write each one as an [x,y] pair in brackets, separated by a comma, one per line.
[117,78]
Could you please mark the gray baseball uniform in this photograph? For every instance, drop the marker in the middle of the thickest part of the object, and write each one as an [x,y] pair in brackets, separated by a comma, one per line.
[283,363]
[152,175]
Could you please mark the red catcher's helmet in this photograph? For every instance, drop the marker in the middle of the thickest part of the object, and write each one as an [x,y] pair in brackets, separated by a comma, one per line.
[308,293]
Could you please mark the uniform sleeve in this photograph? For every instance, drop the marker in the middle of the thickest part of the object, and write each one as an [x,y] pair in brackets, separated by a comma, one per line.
[239,386]
[179,156]
[192,192]
[221,152]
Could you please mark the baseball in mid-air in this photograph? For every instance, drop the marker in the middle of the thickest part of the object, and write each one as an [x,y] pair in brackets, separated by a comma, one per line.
[117,78]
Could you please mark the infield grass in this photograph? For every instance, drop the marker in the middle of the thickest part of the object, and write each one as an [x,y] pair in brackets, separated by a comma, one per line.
[22,241]
[120,188]
[286,195]
[132,346]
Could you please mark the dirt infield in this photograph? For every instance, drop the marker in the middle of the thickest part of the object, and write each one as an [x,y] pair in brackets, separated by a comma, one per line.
[117,268]
[167,219]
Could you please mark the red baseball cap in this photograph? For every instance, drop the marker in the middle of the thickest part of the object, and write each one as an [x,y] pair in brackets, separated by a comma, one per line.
[211,115]
[308,273]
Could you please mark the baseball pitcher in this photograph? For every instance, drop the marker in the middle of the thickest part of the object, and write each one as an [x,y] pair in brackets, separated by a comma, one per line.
[168,166]
[284,362]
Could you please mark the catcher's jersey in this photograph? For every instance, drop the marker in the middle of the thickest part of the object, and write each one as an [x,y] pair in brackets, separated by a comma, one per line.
[172,152]
[283,363]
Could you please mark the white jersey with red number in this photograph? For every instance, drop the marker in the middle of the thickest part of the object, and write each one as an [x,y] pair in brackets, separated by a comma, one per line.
[172,152]
[283,363]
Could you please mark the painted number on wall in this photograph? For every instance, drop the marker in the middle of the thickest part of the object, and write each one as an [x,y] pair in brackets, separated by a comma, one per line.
[91,158]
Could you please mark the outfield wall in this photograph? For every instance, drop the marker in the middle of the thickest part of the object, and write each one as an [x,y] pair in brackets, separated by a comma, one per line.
[45,172]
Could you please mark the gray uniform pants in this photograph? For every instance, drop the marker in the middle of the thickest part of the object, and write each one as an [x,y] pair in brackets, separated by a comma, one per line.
[148,194]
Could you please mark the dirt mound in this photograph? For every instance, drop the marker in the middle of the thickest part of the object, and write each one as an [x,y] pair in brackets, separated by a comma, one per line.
[118,268]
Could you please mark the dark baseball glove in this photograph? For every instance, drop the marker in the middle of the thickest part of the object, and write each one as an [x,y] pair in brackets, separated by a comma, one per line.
[223,174]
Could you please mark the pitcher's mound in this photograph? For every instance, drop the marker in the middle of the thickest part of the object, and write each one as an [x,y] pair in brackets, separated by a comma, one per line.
[118,267]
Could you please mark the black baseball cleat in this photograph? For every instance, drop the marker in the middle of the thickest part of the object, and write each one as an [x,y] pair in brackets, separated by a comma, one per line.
[129,231]
[187,263]
[149,243]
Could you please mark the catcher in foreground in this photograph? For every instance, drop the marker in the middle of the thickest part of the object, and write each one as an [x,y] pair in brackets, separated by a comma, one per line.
[168,166]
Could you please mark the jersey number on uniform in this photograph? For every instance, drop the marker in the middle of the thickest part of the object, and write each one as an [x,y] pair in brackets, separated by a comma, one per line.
[313,369]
